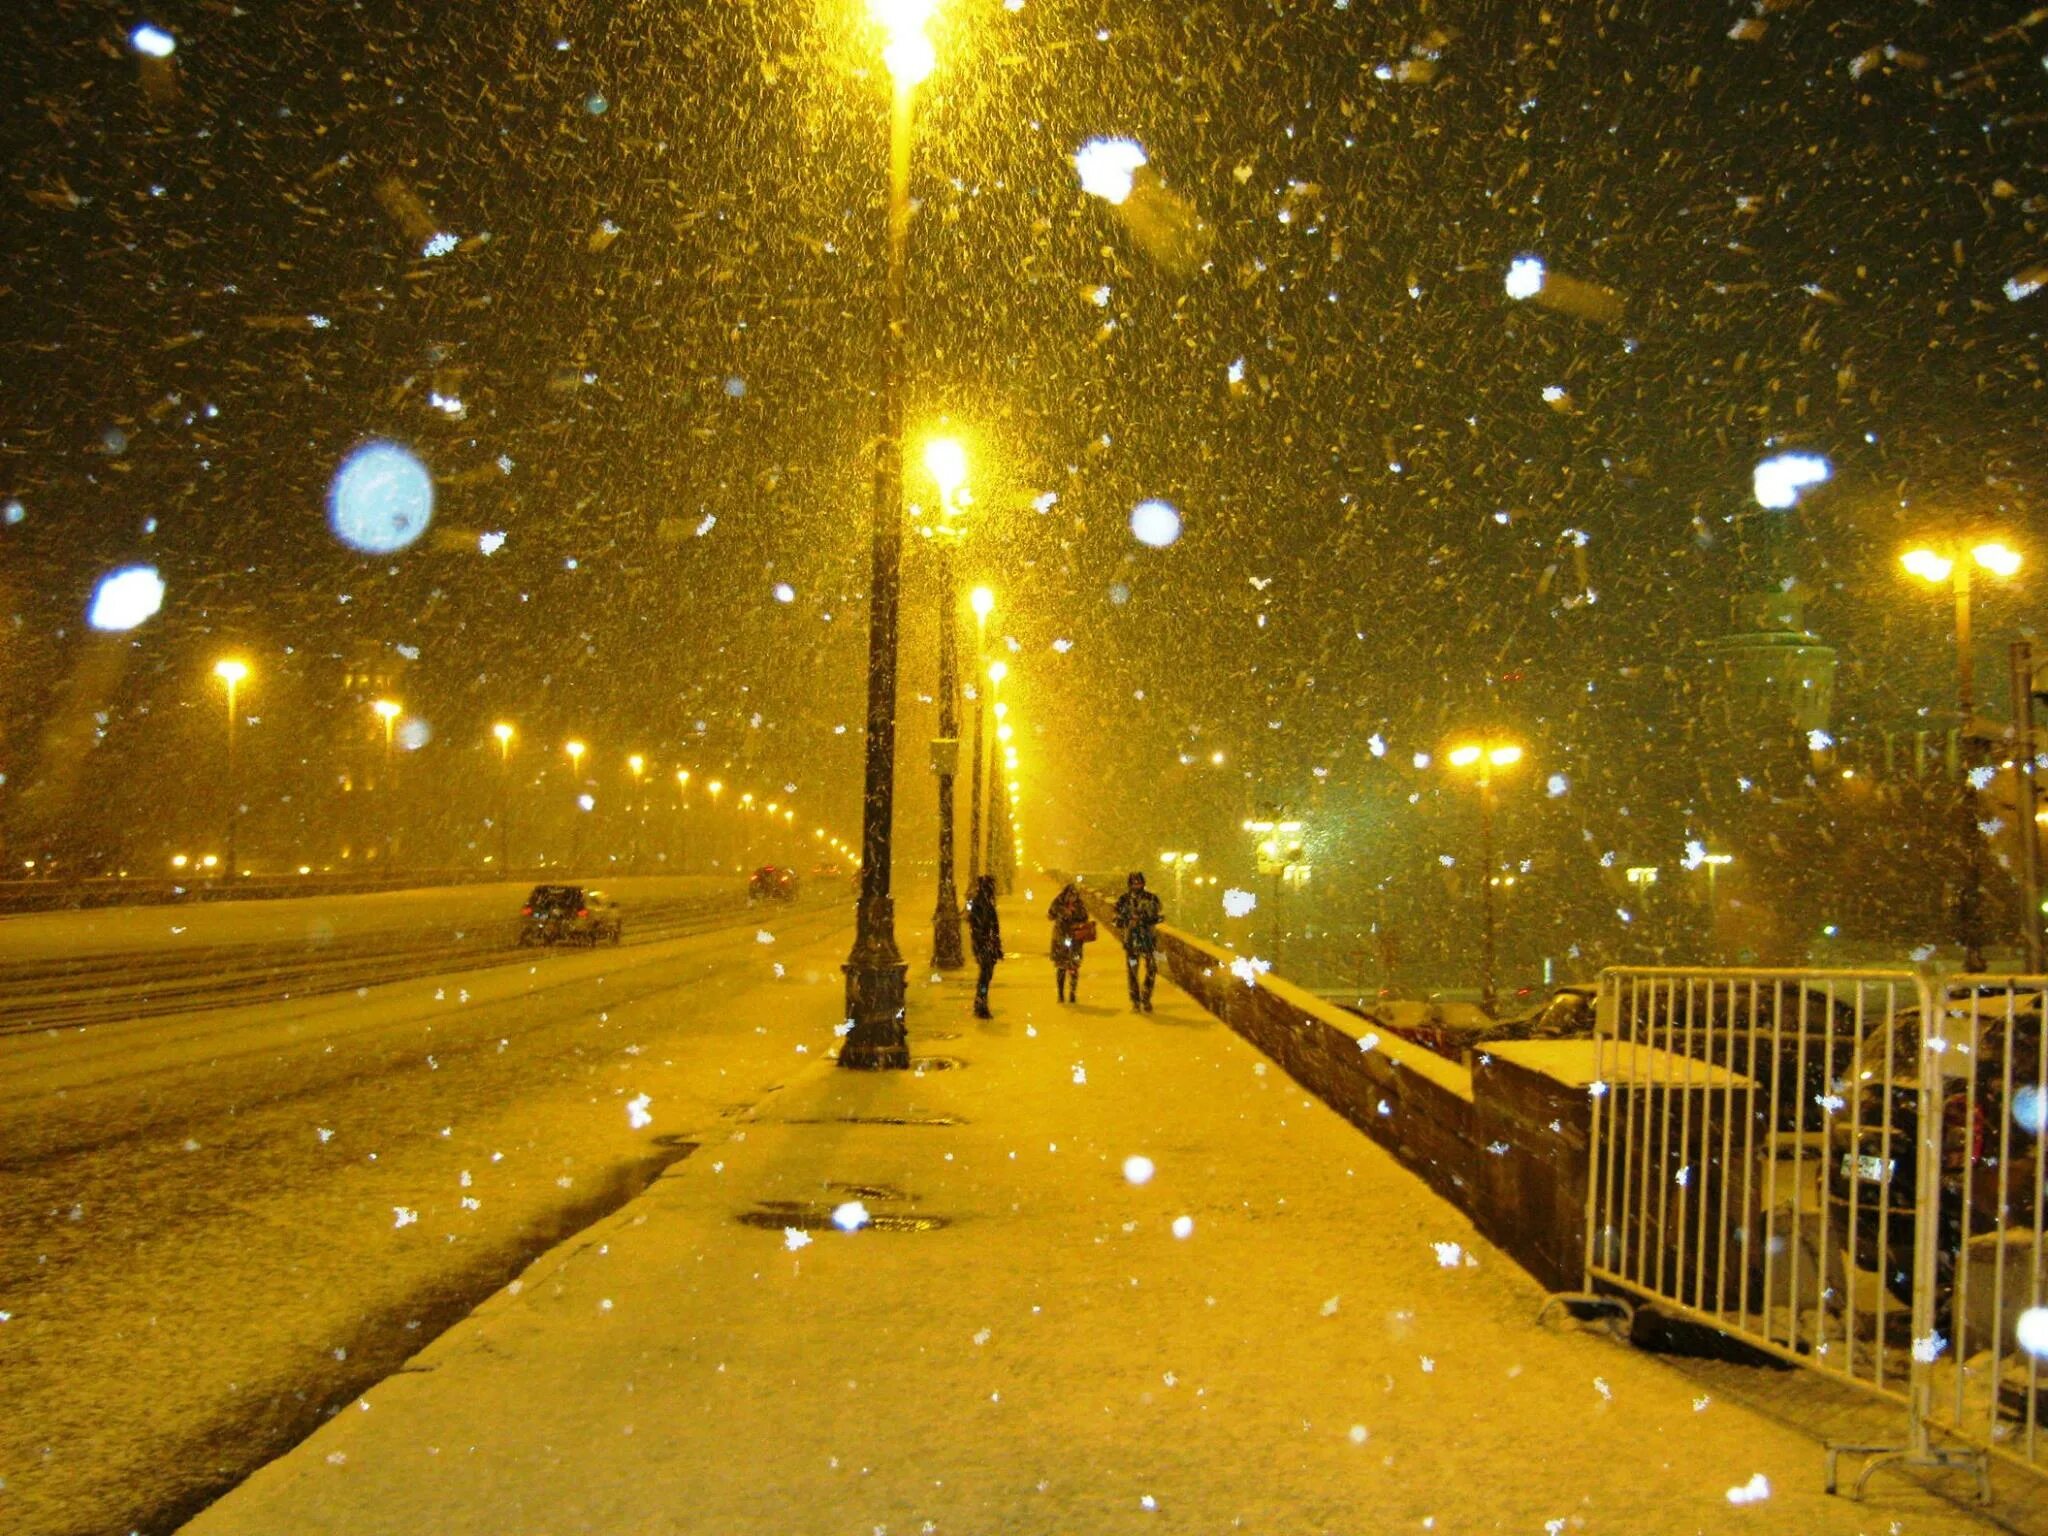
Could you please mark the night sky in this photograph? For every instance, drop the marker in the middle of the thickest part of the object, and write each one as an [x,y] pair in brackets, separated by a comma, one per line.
[659,316]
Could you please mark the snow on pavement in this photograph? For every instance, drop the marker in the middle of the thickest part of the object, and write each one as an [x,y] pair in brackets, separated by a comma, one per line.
[1263,1333]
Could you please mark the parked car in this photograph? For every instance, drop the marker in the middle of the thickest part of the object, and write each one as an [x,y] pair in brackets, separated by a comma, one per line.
[772,882]
[569,914]
[1988,1148]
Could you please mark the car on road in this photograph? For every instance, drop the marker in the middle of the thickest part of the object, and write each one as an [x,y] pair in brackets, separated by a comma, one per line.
[772,882]
[569,914]
[1990,1161]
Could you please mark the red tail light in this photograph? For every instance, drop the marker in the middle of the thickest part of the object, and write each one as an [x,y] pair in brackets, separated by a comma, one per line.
[583,911]
[526,911]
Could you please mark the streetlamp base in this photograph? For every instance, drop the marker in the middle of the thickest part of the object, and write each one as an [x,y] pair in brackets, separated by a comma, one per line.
[947,954]
[875,997]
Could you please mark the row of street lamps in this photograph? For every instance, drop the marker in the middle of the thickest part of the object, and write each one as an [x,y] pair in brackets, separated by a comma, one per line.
[232,672]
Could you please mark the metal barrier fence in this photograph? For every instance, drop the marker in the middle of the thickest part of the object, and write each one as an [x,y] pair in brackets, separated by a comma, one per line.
[1799,1160]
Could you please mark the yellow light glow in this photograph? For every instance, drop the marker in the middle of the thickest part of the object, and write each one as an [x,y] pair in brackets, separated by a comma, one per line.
[788,818]
[636,762]
[1169,858]
[575,749]
[179,861]
[1189,858]
[1926,564]
[1216,758]
[1464,757]
[998,670]
[1503,757]
[946,459]
[1996,558]
[503,732]
[230,671]
[911,59]
[773,807]
[715,786]
[1004,733]
[983,602]
[390,709]
[683,777]
[209,861]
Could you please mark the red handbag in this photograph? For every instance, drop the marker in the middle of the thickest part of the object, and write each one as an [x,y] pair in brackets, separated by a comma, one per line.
[1082,932]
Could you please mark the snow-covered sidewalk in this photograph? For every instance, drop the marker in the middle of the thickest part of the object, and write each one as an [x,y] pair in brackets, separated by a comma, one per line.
[1118,1273]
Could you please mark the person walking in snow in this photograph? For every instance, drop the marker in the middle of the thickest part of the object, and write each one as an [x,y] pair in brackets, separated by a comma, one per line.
[1071,928]
[1137,920]
[985,931]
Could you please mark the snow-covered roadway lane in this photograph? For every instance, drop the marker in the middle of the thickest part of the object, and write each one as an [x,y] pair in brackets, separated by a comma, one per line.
[223,1223]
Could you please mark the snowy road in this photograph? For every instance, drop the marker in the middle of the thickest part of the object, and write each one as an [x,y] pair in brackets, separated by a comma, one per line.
[223,1224]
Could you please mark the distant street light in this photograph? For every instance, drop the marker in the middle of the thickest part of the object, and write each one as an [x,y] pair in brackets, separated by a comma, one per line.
[1178,863]
[1486,757]
[231,673]
[1934,567]
[504,733]
[946,459]
[637,765]
[388,710]
[874,968]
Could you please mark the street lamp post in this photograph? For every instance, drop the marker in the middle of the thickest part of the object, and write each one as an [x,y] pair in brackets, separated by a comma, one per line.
[983,602]
[1178,863]
[947,461]
[682,821]
[1934,567]
[638,766]
[575,749]
[388,710]
[1486,758]
[231,673]
[714,789]
[874,968]
[504,733]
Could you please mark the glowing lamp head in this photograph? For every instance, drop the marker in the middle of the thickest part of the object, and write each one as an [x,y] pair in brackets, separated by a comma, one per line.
[998,670]
[1996,558]
[575,749]
[714,787]
[636,763]
[1504,757]
[946,460]
[1004,733]
[503,732]
[983,602]
[908,52]
[683,776]
[388,709]
[1464,757]
[1926,564]
[230,671]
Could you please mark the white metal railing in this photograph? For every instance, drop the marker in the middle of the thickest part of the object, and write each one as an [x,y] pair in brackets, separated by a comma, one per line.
[1845,1169]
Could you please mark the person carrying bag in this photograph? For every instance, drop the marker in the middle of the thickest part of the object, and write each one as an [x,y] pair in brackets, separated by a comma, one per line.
[1072,928]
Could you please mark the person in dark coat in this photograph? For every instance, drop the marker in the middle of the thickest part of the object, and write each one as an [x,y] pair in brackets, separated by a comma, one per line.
[985,931]
[1137,919]
[1068,913]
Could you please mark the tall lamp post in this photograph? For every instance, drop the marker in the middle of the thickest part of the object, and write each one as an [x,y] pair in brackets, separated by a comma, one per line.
[575,749]
[1934,567]
[947,461]
[1178,863]
[714,789]
[504,732]
[231,673]
[637,766]
[874,968]
[983,602]
[1486,757]
[388,710]
[682,821]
